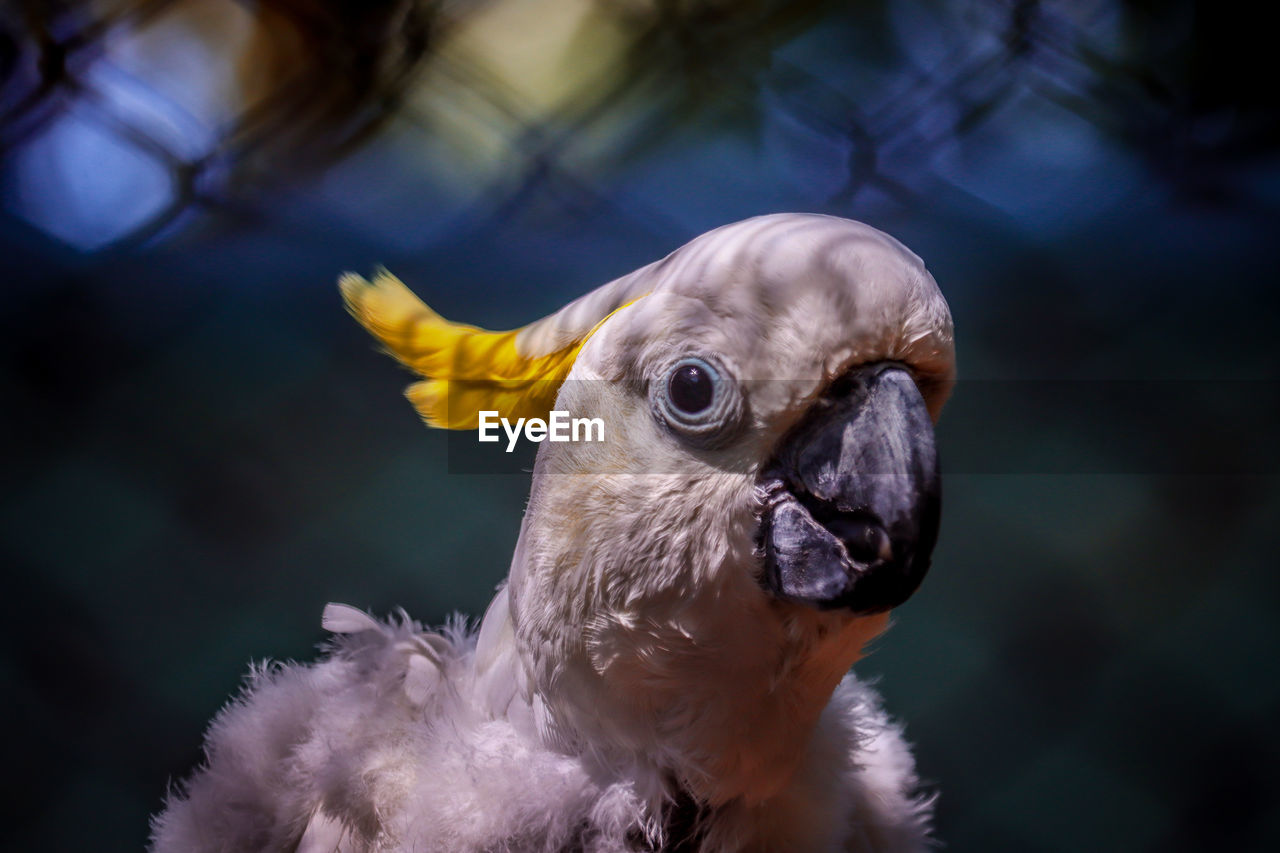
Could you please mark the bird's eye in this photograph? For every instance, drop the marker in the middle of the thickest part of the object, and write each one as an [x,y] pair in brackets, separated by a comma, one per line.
[698,400]
[691,387]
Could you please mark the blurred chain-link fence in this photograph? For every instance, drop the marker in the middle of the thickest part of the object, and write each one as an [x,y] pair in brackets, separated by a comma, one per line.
[205,451]
[121,121]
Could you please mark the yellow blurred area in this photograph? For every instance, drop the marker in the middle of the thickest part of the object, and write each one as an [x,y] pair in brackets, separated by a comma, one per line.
[513,65]
[494,70]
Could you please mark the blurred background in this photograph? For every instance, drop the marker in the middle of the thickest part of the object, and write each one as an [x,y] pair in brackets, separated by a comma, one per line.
[202,448]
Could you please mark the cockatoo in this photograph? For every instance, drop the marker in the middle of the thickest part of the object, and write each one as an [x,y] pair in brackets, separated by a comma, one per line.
[667,666]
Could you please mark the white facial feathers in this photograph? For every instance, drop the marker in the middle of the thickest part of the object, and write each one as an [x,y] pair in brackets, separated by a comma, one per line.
[785,297]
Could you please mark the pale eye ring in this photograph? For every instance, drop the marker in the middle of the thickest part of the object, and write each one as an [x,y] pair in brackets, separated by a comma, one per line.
[697,399]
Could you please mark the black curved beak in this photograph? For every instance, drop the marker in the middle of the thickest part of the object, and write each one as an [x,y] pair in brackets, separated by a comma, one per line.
[853,496]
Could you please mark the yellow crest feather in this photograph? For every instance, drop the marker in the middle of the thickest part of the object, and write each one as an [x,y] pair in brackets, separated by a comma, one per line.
[465,369]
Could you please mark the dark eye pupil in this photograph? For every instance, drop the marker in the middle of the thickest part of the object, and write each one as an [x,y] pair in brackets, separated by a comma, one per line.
[690,388]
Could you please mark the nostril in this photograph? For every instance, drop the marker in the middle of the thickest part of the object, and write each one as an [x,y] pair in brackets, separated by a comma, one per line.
[865,540]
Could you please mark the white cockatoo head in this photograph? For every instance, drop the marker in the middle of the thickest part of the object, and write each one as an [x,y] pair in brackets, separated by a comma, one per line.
[687,593]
